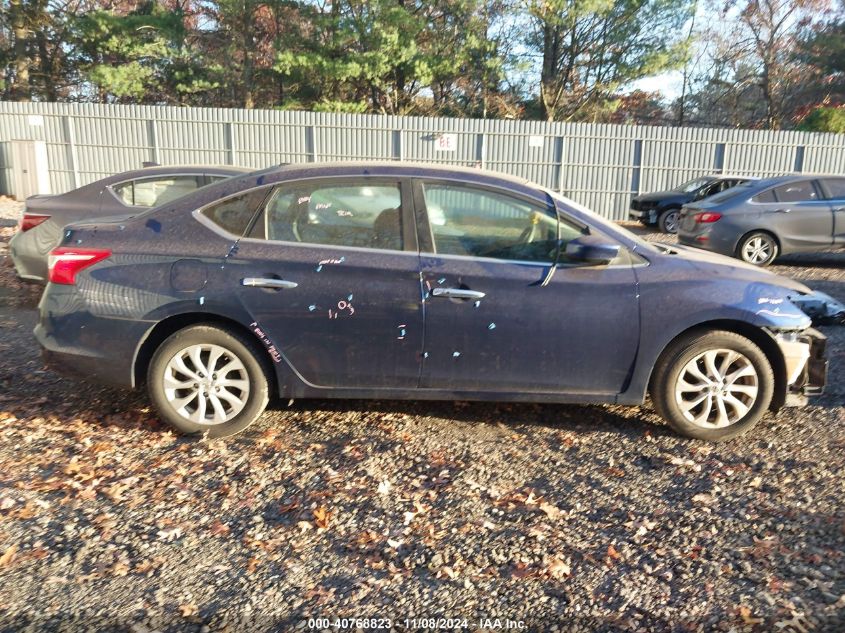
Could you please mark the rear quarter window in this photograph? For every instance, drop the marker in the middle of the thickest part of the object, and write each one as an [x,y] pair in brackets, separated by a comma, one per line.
[234,214]
[765,196]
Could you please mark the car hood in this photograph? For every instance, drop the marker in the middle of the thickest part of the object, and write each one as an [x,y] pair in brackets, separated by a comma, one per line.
[716,265]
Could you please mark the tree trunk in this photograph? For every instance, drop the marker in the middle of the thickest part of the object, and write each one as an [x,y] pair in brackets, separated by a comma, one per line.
[20,88]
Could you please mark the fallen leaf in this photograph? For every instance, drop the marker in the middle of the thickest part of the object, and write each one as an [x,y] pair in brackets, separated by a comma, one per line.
[188,609]
[219,529]
[745,614]
[384,487]
[8,556]
[558,568]
[321,517]
[612,553]
[551,511]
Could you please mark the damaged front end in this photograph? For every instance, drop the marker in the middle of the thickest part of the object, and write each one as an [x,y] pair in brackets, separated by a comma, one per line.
[804,350]
[821,308]
[806,365]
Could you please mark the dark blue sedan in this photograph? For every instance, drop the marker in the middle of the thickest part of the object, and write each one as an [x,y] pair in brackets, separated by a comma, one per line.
[407,281]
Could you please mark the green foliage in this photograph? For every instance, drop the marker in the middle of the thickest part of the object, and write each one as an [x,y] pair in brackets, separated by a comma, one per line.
[128,56]
[824,120]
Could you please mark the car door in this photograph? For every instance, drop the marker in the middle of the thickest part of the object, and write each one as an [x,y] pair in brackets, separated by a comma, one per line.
[799,215]
[329,274]
[491,325]
[834,191]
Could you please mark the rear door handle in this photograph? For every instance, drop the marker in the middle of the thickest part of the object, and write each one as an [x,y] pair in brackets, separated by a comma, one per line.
[839,209]
[263,282]
[457,293]
[781,211]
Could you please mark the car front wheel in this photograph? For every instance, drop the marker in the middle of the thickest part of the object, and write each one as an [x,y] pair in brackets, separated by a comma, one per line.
[205,379]
[668,221]
[712,385]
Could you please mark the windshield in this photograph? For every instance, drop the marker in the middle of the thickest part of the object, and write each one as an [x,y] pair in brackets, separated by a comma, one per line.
[694,185]
[603,224]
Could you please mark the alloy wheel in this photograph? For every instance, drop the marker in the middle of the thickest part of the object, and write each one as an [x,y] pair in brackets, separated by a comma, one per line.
[757,250]
[206,384]
[717,388]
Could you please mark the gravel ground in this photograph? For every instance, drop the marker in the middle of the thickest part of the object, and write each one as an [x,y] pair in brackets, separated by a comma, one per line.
[570,518]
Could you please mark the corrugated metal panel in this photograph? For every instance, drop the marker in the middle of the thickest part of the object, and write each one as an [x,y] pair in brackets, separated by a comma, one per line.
[595,164]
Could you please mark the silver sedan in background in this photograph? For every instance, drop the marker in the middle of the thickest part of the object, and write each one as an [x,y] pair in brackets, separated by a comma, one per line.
[127,193]
[759,220]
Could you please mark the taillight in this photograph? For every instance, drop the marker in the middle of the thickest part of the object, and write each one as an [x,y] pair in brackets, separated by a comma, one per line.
[65,262]
[31,220]
[707,217]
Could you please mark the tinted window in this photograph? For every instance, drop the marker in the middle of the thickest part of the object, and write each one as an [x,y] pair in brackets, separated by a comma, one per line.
[801,191]
[151,192]
[693,185]
[481,223]
[765,196]
[834,188]
[233,214]
[730,192]
[360,214]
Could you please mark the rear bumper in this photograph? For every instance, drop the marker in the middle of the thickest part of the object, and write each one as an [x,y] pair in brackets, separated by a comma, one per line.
[29,264]
[78,343]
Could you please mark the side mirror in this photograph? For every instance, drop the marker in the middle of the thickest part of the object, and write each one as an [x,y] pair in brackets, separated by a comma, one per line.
[592,250]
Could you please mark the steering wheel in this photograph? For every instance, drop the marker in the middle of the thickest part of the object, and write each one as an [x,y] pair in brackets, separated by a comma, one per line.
[528,234]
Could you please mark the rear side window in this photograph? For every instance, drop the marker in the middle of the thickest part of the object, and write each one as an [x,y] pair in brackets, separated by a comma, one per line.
[152,192]
[233,214]
[364,215]
[765,196]
[834,188]
[802,191]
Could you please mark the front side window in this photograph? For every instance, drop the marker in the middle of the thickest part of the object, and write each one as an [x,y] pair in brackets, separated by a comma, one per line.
[367,215]
[152,192]
[802,191]
[481,223]
[233,214]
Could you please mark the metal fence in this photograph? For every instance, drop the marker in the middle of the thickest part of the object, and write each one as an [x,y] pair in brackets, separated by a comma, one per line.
[598,165]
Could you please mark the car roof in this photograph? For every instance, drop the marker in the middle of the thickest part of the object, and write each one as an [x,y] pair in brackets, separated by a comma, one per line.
[392,167]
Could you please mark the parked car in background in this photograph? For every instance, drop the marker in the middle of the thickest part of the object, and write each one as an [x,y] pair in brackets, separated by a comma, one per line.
[759,220]
[662,208]
[124,194]
[395,280]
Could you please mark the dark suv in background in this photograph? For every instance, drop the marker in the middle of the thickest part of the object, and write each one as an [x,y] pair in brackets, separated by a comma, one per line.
[662,208]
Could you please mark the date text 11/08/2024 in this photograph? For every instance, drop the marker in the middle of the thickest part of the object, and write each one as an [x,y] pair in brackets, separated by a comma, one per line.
[343,624]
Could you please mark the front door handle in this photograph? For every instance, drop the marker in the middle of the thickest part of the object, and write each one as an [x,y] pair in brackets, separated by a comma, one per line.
[263,282]
[839,209]
[781,211]
[457,293]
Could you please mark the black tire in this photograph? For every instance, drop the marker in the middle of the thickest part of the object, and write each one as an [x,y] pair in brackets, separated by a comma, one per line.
[675,358]
[251,372]
[668,221]
[768,242]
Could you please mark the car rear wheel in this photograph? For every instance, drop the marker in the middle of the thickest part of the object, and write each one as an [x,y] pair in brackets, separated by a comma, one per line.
[758,248]
[713,385]
[668,221]
[205,379]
